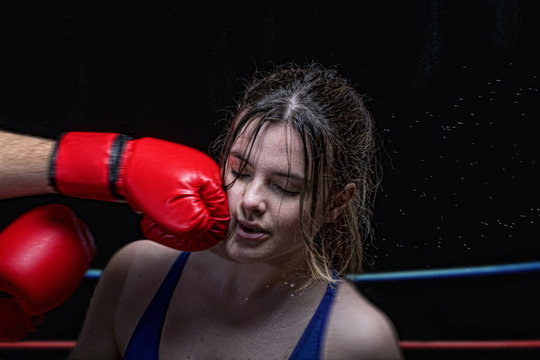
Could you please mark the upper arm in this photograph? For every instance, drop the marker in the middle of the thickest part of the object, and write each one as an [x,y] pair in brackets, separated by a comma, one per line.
[379,343]
[97,337]
[121,295]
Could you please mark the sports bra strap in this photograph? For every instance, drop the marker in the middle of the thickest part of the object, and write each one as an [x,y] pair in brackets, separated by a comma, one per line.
[144,342]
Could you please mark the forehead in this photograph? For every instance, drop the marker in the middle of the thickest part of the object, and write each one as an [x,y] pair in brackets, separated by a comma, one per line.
[275,144]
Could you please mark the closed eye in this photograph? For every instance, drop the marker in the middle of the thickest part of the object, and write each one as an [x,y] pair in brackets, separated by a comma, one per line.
[238,175]
[285,191]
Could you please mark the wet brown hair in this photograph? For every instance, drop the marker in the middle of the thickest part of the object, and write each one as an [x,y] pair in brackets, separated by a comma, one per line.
[338,135]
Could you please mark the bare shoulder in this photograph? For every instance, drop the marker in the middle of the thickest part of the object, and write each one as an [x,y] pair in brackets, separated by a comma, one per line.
[141,265]
[137,254]
[358,329]
[127,261]
[142,249]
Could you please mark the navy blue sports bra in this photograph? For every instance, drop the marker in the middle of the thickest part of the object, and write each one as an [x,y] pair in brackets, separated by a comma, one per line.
[144,342]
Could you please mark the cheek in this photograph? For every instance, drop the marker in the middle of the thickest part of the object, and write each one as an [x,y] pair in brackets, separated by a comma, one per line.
[289,217]
[235,195]
[232,196]
[289,225]
[227,177]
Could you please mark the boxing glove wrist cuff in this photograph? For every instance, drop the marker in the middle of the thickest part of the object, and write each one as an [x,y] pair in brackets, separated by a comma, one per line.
[87,165]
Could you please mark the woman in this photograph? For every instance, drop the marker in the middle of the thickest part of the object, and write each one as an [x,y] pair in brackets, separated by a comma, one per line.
[298,163]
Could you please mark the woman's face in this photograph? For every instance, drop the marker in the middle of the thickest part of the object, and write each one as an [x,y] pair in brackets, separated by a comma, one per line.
[264,201]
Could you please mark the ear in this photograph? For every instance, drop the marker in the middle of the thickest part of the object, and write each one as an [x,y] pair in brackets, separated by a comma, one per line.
[340,202]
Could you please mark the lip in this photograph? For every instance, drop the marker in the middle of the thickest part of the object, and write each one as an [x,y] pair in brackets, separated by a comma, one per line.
[250,231]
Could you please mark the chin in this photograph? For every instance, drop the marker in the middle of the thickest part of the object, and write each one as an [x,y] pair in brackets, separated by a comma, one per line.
[245,251]
[243,255]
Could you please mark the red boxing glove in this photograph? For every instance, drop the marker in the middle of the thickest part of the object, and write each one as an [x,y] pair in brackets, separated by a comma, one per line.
[177,188]
[44,255]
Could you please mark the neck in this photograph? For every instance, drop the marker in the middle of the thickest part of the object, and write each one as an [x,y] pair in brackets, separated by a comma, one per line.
[252,280]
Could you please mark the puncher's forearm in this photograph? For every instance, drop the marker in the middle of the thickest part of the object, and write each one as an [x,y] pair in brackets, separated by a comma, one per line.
[24,165]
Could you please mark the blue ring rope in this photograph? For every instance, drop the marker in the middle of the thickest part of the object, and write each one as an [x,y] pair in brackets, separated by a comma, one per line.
[446,273]
[421,274]
[93,274]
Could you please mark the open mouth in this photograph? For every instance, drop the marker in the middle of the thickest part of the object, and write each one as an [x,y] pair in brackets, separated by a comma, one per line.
[250,229]
[250,232]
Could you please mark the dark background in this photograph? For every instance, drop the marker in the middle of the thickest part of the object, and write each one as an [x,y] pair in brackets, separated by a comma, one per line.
[453,86]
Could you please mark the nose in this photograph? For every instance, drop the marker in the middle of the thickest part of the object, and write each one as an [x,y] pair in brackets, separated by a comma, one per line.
[253,199]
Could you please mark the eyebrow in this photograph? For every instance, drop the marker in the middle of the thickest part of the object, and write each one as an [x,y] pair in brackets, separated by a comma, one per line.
[287,174]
